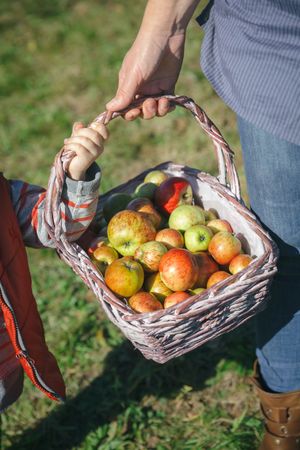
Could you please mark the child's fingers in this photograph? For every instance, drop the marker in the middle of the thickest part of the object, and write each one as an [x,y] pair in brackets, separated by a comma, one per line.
[76,127]
[101,129]
[85,155]
[91,134]
[85,143]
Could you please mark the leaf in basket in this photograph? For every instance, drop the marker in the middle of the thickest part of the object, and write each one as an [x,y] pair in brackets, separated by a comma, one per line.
[115,203]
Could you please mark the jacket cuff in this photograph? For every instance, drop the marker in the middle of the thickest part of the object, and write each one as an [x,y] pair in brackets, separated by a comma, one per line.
[89,186]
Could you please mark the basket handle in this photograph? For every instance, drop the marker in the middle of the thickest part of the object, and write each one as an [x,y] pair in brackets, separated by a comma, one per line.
[225,156]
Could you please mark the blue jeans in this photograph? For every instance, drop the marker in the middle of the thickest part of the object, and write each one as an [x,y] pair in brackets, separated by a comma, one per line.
[272,169]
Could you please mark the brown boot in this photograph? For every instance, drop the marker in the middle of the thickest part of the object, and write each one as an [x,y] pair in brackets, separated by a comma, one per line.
[282,416]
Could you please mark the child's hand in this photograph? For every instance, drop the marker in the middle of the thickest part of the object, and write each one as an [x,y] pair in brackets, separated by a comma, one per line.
[87,143]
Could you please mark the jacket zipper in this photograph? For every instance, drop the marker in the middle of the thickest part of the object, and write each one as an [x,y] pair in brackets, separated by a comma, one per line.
[22,353]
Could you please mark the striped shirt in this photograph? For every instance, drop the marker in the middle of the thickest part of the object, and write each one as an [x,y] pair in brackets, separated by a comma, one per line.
[251,56]
[77,209]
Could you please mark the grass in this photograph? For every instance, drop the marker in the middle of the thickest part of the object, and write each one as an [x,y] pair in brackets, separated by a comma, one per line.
[60,61]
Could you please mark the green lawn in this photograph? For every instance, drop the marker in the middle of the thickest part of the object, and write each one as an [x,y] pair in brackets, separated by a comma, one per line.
[60,61]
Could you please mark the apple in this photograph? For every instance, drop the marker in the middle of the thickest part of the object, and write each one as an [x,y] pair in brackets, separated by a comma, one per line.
[96,243]
[124,276]
[206,266]
[171,193]
[196,291]
[145,190]
[174,298]
[217,277]
[178,269]
[145,206]
[114,203]
[224,246]
[217,225]
[170,238]
[143,302]
[156,177]
[211,214]
[185,216]
[103,256]
[156,286]
[239,263]
[129,229]
[149,255]
[197,238]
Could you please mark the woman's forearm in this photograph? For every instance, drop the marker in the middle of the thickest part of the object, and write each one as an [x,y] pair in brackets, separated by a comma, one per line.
[168,16]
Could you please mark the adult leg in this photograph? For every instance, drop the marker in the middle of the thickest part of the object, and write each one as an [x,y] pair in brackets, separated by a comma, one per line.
[273,177]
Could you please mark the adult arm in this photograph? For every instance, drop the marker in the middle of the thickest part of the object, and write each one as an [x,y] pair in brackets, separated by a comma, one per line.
[152,64]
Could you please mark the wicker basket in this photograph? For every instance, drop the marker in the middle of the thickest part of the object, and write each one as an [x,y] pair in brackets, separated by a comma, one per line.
[165,334]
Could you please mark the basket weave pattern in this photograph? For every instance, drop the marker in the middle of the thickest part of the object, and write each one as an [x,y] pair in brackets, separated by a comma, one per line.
[165,334]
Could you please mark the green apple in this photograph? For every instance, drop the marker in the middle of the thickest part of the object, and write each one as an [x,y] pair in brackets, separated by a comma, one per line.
[115,203]
[197,238]
[185,216]
[156,177]
[145,190]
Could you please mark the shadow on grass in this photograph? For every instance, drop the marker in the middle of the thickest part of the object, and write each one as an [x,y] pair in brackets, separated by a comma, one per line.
[126,379]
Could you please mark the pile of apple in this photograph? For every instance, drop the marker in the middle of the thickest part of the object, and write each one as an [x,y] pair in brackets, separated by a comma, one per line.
[158,248]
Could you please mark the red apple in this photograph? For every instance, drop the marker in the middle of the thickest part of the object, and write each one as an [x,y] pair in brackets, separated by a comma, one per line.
[174,298]
[217,277]
[185,216]
[206,267]
[124,276]
[156,177]
[178,269]
[114,203]
[239,263]
[170,238]
[143,302]
[217,225]
[156,286]
[224,246]
[171,193]
[103,256]
[197,238]
[149,255]
[145,206]
[129,229]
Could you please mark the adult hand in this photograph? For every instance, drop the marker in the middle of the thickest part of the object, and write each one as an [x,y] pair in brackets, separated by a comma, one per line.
[151,67]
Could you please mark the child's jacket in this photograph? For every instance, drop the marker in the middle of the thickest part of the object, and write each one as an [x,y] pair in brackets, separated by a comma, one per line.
[22,332]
